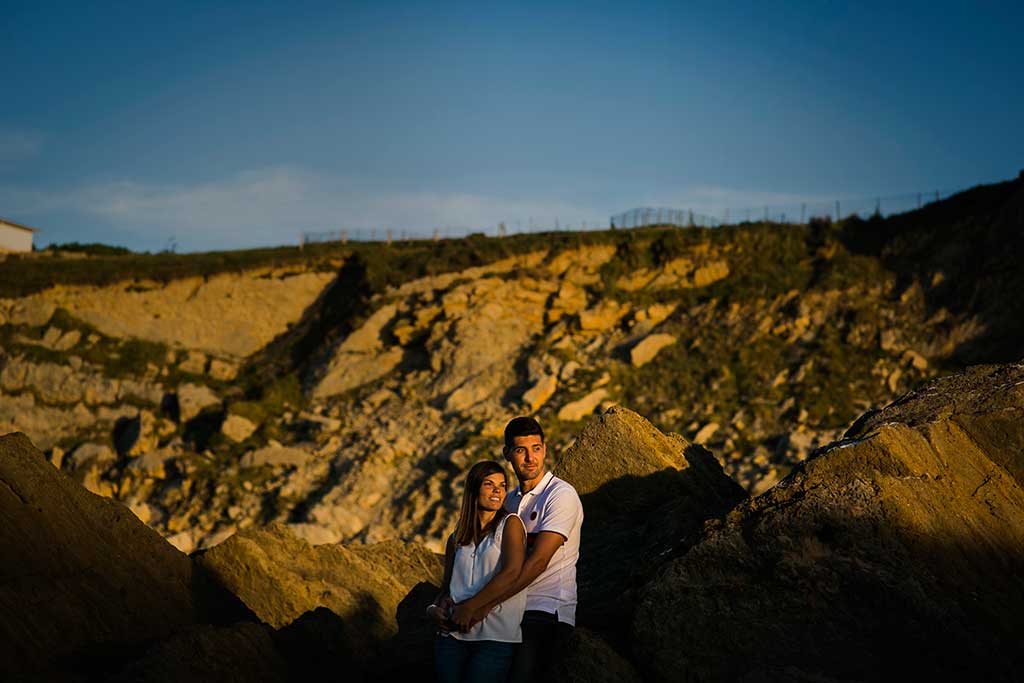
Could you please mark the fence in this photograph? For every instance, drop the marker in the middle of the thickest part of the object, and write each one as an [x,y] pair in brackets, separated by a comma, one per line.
[650,216]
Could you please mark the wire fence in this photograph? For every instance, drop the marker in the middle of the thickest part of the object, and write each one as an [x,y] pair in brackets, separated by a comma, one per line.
[642,217]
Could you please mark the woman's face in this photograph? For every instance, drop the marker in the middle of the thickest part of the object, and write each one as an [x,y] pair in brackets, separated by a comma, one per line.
[492,492]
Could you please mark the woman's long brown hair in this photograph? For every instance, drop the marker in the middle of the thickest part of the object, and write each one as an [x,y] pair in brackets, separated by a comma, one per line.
[466,531]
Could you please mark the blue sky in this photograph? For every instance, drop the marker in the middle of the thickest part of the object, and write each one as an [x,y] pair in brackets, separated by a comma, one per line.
[229,125]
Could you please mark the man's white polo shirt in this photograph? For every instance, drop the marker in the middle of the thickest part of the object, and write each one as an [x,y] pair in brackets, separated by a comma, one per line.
[553,505]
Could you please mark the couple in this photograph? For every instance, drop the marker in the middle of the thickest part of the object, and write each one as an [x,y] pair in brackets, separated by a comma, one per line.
[508,599]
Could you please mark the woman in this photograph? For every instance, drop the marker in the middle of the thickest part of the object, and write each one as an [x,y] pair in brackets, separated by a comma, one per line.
[482,560]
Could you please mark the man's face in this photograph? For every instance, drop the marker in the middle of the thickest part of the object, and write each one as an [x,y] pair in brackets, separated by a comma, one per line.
[527,457]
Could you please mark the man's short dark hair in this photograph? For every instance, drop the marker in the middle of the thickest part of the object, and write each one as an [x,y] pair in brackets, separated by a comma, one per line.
[522,426]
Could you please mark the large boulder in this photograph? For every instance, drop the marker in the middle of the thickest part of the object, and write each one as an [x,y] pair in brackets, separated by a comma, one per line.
[645,494]
[79,574]
[280,577]
[895,553]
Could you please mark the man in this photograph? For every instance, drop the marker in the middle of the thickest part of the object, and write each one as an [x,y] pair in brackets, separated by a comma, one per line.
[551,510]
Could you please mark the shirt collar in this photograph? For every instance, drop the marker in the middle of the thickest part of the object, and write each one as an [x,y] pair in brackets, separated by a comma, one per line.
[539,487]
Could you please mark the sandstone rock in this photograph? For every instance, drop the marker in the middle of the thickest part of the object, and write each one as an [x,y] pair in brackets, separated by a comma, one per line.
[540,392]
[153,464]
[571,299]
[223,370]
[29,311]
[367,338]
[710,273]
[655,314]
[193,398]
[603,316]
[194,363]
[636,280]
[79,573]
[237,428]
[45,425]
[475,353]
[184,541]
[67,340]
[91,454]
[643,493]
[280,577]
[918,361]
[275,456]
[351,370]
[568,370]
[893,380]
[580,408]
[136,435]
[648,348]
[705,433]
[227,314]
[588,259]
[56,457]
[673,274]
[904,537]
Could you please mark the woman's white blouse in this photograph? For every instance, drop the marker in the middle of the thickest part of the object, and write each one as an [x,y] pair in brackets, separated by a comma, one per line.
[474,566]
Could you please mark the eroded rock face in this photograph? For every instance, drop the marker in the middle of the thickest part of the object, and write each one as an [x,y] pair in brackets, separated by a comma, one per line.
[893,553]
[78,572]
[229,314]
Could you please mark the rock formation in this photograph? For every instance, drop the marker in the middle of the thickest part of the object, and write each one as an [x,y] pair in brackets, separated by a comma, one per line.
[645,495]
[894,553]
[79,572]
[88,591]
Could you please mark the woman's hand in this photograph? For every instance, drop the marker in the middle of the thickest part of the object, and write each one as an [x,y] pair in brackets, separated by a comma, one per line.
[439,613]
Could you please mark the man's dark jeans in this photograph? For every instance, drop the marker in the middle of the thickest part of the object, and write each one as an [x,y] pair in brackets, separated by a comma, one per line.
[544,638]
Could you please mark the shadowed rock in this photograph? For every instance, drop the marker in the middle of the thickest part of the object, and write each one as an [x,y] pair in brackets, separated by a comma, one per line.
[240,653]
[80,575]
[898,552]
[645,496]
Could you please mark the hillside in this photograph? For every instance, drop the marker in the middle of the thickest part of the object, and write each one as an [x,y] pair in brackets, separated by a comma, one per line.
[341,390]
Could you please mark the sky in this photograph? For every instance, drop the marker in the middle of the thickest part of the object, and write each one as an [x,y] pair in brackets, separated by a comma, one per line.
[200,126]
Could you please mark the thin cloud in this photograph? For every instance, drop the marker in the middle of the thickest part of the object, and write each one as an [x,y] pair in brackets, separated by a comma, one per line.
[19,145]
[275,205]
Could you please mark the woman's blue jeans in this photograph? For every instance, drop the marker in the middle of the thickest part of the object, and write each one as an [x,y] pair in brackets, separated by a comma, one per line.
[472,661]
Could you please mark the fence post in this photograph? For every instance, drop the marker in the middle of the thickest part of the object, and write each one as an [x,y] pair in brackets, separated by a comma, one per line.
[837,210]
[919,200]
[878,206]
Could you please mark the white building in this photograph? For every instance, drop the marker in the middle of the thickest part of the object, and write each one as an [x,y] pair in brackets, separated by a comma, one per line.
[15,237]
